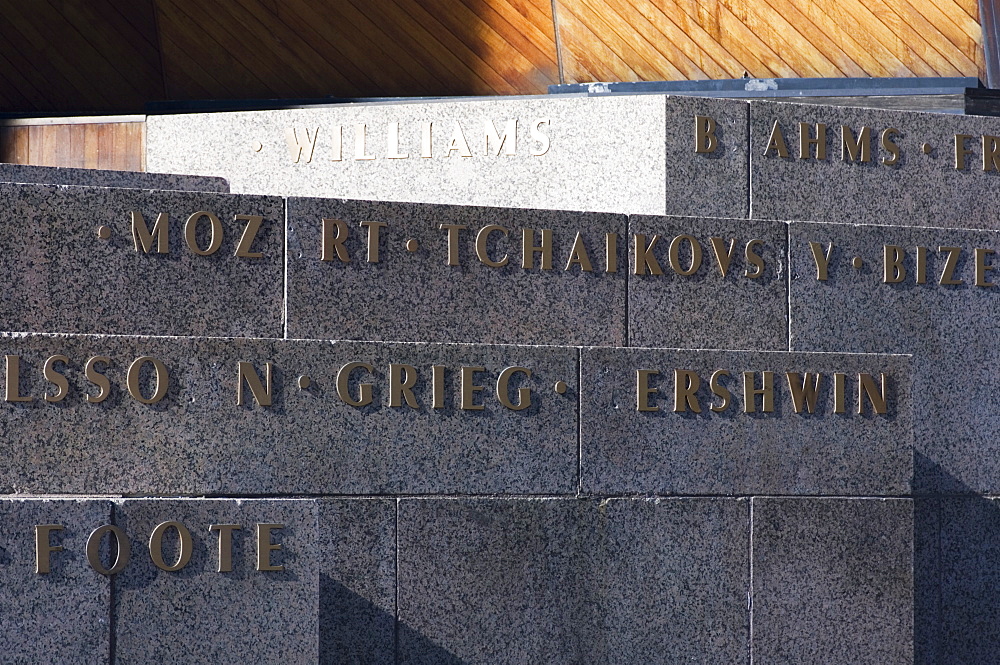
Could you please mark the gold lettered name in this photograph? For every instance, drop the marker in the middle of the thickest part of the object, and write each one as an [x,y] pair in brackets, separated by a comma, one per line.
[360,142]
[265,537]
[941,265]
[755,391]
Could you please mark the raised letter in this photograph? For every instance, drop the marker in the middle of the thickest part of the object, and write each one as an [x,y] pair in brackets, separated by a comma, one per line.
[334,244]
[98,379]
[750,392]
[722,257]
[191,233]
[523,394]
[981,266]
[94,550]
[529,249]
[578,255]
[506,142]
[644,257]
[720,390]
[961,151]
[674,255]
[948,274]
[373,238]
[686,384]
[888,144]
[469,389]
[55,378]
[482,238]
[804,394]
[704,134]
[265,547]
[822,260]
[43,548]
[249,235]
[539,137]
[805,141]
[156,546]
[755,260]
[344,385]
[162,379]
[400,387]
[225,545]
[361,142]
[876,396]
[143,238]
[851,149]
[453,231]
[838,393]
[458,142]
[895,272]
[643,391]
[776,142]
[296,146]
[13,387]
[611,251]
[392,143]
[246,372]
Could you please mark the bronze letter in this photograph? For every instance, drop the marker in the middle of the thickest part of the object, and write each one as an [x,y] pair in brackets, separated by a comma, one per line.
[705,140]
[686,384]
[246,372]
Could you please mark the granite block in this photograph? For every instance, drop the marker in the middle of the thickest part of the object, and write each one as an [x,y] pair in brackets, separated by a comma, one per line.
[199,615]
[832,581]
[573,581]
[357,602]
[55,175]
[970,580]
[920,186]
[418,296]
[197,440]
[729,451]
[951,330]
[61,276]
[625,154]
[60,616]
[727,291]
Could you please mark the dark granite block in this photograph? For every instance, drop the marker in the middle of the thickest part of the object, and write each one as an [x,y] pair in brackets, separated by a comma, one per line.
[357,603]
[970,581]
[734,452]
[61,276]
[417,296]
[199,615]
[952,330]
[706,184]
[726,291]
[54,175]
[572,581]
[198,440]
[60,616]
[832,581]
[922,188]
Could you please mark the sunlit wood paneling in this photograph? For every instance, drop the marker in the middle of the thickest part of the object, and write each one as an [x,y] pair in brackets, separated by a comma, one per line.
[117,146]
[351,48]
[636,40]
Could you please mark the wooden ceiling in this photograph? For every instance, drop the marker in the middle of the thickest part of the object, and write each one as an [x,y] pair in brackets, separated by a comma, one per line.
[113,56]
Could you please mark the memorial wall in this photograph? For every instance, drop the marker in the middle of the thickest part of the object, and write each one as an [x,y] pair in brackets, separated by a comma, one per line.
[633,379]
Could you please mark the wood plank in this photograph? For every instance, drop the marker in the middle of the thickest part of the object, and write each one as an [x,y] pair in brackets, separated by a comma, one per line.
[816,34]
[589,57]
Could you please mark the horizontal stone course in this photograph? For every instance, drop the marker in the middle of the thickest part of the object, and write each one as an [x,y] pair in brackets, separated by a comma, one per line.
[71,262]
[54,175]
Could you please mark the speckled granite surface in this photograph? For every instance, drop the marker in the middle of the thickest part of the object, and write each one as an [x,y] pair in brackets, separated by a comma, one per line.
[54,175]
[921,189]
[745,308]
[950,328]
[730,452]
[197,440]
[59,275]
[418,296]
[625,154]
[62,615]
[572,581]
[199,615]
[833,581]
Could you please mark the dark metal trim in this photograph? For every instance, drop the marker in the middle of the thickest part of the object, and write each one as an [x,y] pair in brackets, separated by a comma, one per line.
[779,87]
[988,18]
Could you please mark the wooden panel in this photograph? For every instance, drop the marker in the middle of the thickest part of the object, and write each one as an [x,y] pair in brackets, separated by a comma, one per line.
[117,146]
[635,40]
[355,48]
[86,56]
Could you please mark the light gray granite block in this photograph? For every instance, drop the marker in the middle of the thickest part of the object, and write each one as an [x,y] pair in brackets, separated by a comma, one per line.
[419,296]
[713,283]
[357,602]
[60,275]
[573,581]
[730,451]
[951,330]
[55,175]
[832,581]
[199,615]
[60,616]
[624,154]
[921,185]
[197,440]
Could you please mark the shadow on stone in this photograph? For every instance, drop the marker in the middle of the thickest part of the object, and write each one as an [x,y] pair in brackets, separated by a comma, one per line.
[354,631]
[956,568]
